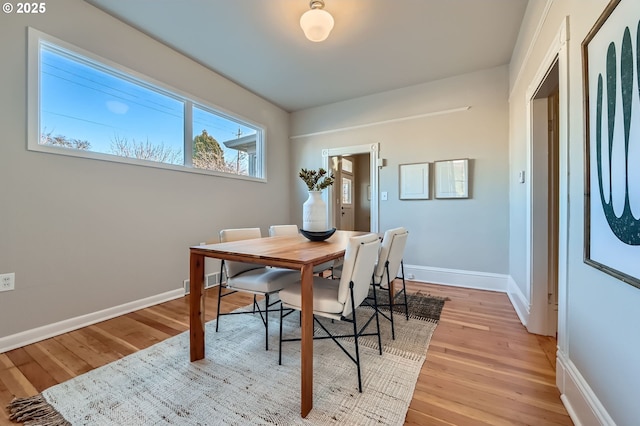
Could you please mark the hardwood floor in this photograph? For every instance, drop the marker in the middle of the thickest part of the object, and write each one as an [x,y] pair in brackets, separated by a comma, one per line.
[482,366]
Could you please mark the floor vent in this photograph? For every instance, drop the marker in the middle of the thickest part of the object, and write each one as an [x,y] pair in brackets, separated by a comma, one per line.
[210,280]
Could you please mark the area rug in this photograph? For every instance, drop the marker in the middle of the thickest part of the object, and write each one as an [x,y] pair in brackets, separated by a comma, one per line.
[425,307]
[239,383]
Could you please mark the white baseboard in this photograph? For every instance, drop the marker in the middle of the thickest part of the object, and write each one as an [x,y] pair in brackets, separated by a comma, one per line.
[40,333]
[457,278]
[581,403]
[519,301]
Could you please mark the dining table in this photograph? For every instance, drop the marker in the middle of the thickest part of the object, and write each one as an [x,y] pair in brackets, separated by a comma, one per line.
[291,252]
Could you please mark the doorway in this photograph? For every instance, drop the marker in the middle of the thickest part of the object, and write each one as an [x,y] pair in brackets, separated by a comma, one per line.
[355,191]
[352,200]
[545,207]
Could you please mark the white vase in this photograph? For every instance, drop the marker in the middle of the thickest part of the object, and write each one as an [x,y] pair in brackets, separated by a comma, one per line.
[314,213]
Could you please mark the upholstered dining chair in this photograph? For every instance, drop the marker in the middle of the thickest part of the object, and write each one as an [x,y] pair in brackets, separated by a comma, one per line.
[252,278]
[389,264]
[339,300]
[277,230]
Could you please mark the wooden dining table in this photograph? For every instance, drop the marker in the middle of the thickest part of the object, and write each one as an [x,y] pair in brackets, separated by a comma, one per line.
[291,252]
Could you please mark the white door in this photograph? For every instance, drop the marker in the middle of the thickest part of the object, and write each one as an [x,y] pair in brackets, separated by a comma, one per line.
[344,196]
[346,204]
[545,206]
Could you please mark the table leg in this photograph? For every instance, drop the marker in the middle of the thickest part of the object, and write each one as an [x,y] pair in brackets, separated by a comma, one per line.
[306,362]
[196,307]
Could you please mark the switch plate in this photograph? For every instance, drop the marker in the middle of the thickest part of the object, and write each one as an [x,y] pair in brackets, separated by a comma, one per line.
[7,281]
[383,196]
[521,176]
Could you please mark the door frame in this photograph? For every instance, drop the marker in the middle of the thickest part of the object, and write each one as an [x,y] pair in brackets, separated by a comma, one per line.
[537,321]
[372,150]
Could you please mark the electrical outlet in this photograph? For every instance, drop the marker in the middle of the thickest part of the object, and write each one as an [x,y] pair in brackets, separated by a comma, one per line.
[7,281]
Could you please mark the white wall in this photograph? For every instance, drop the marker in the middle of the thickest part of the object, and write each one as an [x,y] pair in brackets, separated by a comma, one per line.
[85,235]
[599,342]
[469,235]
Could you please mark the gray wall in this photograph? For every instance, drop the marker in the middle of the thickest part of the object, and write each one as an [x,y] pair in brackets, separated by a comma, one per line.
[462,234]
[599,343]
[84,235]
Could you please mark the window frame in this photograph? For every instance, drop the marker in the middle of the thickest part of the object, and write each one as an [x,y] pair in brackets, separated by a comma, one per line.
[37,38]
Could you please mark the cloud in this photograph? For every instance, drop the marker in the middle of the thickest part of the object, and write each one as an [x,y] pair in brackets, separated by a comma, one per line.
[117,107]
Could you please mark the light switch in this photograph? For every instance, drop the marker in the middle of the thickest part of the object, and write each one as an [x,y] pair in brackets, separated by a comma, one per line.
[383,196]
[521,176]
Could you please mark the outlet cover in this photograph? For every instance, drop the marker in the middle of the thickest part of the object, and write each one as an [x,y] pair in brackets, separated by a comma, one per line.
[7,281]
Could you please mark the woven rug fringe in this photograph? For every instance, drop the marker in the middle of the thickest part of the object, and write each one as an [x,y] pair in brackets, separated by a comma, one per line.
[431,296]
[35,411]
[400,315]
[372,343]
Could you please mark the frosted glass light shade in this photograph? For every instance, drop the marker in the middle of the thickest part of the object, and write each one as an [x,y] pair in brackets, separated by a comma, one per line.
[316,24]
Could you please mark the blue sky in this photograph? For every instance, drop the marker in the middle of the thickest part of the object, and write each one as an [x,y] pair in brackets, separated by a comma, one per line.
[79,101]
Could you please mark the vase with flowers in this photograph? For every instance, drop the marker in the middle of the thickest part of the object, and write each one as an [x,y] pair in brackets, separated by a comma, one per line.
[314,210]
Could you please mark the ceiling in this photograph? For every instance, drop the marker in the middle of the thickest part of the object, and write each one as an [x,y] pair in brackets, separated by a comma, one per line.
[375,45]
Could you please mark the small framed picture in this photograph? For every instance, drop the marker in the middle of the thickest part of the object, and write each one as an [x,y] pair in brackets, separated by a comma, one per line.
[452,178]
[414,181]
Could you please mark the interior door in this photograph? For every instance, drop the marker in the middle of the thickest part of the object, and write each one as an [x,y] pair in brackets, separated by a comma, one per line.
[344,203]
[346,207]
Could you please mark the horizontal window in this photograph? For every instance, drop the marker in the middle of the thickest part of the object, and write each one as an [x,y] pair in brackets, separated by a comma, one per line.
[86,106]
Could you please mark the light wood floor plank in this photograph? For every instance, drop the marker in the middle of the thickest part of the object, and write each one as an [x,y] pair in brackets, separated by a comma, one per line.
[482,366]
[51,364]
[13,380]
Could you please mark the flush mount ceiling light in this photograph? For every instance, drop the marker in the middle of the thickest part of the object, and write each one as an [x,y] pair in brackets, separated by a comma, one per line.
[316,23]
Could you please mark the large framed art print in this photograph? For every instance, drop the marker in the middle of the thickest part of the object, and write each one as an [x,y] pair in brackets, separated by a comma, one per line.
[611,76]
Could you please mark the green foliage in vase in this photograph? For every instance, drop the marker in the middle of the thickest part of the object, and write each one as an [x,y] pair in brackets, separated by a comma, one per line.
[316,180]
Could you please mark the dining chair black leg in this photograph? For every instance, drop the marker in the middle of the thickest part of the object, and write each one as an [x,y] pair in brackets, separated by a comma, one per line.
[355,338]
[280,339]
[375,309]
[391,300]
[404,289]
[219,296]
[266,321]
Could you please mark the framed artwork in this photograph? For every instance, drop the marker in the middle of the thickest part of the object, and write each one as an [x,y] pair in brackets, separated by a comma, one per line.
[414,181]
[452,178]
[610,67]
